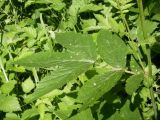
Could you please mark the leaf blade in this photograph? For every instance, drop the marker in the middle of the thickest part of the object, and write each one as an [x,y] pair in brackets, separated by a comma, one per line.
[112,49]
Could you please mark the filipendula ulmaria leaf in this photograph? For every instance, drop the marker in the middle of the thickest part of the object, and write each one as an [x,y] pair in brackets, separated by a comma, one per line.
[84,115]
[97,86]
[58,78]
[78,43]
[133,83]
[81,47]
[52,59]
[112,49]
[126,113]
[9,103]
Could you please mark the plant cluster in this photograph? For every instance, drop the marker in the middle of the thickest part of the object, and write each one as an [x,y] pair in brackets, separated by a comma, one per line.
[79,59]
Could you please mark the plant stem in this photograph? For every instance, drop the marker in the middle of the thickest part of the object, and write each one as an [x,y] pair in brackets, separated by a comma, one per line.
[35,75]
[3,70]
[142,18]
[149,75]
[129,36]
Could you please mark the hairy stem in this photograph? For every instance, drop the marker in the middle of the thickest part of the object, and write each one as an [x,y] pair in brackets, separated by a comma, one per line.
[149,75]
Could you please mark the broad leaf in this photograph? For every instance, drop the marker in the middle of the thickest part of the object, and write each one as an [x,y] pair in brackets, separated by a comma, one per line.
[112,49]
[58,78]
[48,59]
[81,49]
[96,87]
[9,103]
[133,83]
[68,65]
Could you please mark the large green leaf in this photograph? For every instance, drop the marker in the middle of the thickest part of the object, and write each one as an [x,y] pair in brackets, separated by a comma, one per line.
[9,103]
[68,65]
[81,49]
[112,49]
[48,59]
[84,115]
[96,87]
[58,78]
[133,83]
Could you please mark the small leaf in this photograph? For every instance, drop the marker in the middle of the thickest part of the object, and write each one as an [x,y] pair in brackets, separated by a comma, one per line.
[112,49]
[134,66]
[151,26]
[90,7]
[29,113]
[133,83]
[84,115]
[28,85]
[9,103]
[11,116]
[96,87]
[6,88]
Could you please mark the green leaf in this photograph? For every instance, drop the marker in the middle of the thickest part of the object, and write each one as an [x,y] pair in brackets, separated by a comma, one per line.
[112,49]
[29,113]
[66,107]
[9,103]
[89,24]
[133,83]
[134,66]
[58,78]
[28,85]
[6,88]
[81,47]
[126,113]
[84,115]
[96,87]
[11,116]
[90,7]
[78,43]
[151,26]
[51,59]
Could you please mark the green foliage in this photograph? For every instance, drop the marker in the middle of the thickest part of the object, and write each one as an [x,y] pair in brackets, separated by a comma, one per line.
[115,57]
[79,59]
[9,103]
[133,83]
[98,86]
[28,85]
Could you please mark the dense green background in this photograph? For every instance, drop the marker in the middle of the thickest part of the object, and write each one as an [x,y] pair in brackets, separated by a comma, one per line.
[79,60]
